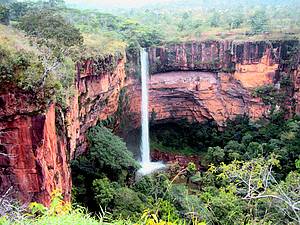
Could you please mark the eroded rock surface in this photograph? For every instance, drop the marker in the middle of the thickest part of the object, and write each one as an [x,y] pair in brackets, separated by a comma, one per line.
[212,80]
[198,81]
[33,158]
[37,141]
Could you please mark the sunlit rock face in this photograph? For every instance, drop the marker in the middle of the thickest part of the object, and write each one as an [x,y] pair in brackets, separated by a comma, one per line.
[212,80]
[38,140]
[218,56]
[98,94]
[198,96]
[33,157]
[201,96]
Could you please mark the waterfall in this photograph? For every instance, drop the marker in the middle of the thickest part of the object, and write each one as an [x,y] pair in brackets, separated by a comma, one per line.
[145,145]
[147,166]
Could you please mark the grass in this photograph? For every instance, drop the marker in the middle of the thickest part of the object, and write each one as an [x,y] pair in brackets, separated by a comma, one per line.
[102,44]
[13,39]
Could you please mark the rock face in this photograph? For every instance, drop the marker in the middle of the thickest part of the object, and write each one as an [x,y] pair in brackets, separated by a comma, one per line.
[201,96]
[217,56]
[38,141]
[198,81]
[33,158]
[172,158]
[98,95]
[211,80]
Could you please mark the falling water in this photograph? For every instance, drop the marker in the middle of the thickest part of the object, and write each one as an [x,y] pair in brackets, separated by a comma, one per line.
[147,166]
[145,148]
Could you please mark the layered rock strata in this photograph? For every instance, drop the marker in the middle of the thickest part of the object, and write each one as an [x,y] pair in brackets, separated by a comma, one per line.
[38,141]
[212,80]
[33,157]
[198,81]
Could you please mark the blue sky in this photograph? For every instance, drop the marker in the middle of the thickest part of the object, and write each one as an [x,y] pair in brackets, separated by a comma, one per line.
[114,3]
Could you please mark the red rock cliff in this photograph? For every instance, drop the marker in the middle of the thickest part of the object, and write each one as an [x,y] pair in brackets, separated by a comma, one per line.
[211,80]
[198,81]
[98,94]
[33,158]
[37,141]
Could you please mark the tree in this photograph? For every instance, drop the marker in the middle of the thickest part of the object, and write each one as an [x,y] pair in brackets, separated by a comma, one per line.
[53,37]
[235,20]
[254,181]
[104,191]
[259,21]
[108,156]
[5,2]
[55,3]
[18,9]
[215,155]
[214,20]
[4,15]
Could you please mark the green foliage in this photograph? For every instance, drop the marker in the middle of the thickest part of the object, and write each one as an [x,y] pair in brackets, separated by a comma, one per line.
[185,137]
[214,20]
[155,186]
[104,191]
[57,42]
[191,168]
[107,160]
[4,15]
[297,163]
[215,154]
[128,203]
[270,96]
[49,28]
[259,21]
[56,3]
[225,207]
[109,151]
[19,9]
[11,63]
[145,36]
[235,20]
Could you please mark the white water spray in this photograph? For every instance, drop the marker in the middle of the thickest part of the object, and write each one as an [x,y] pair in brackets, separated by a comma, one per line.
[147,166]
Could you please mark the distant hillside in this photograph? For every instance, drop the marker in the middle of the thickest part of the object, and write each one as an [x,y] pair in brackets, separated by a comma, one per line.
[221,4]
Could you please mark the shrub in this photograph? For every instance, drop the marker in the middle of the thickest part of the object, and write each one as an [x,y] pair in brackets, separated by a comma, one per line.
[215,155]
[104,191]
[4,15]
[108,151]
[225,207]
[127,203]
[156,186]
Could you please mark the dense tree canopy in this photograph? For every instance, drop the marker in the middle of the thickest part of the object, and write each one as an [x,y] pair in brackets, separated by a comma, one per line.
[4,15]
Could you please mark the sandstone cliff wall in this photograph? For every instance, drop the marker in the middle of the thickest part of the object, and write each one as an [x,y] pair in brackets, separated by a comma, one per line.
[198,81]
[38,141]
[212,80]
[33,158]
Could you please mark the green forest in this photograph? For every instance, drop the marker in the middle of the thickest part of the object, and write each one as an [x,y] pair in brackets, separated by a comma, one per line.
[249,170]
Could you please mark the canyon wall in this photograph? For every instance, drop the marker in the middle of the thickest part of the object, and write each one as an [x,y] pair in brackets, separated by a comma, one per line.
[37,141]
[98,94]
[199,81]
[212,80]
[33,158]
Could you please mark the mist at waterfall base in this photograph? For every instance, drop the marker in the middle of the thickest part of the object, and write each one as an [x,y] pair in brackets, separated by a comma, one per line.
[148,167]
